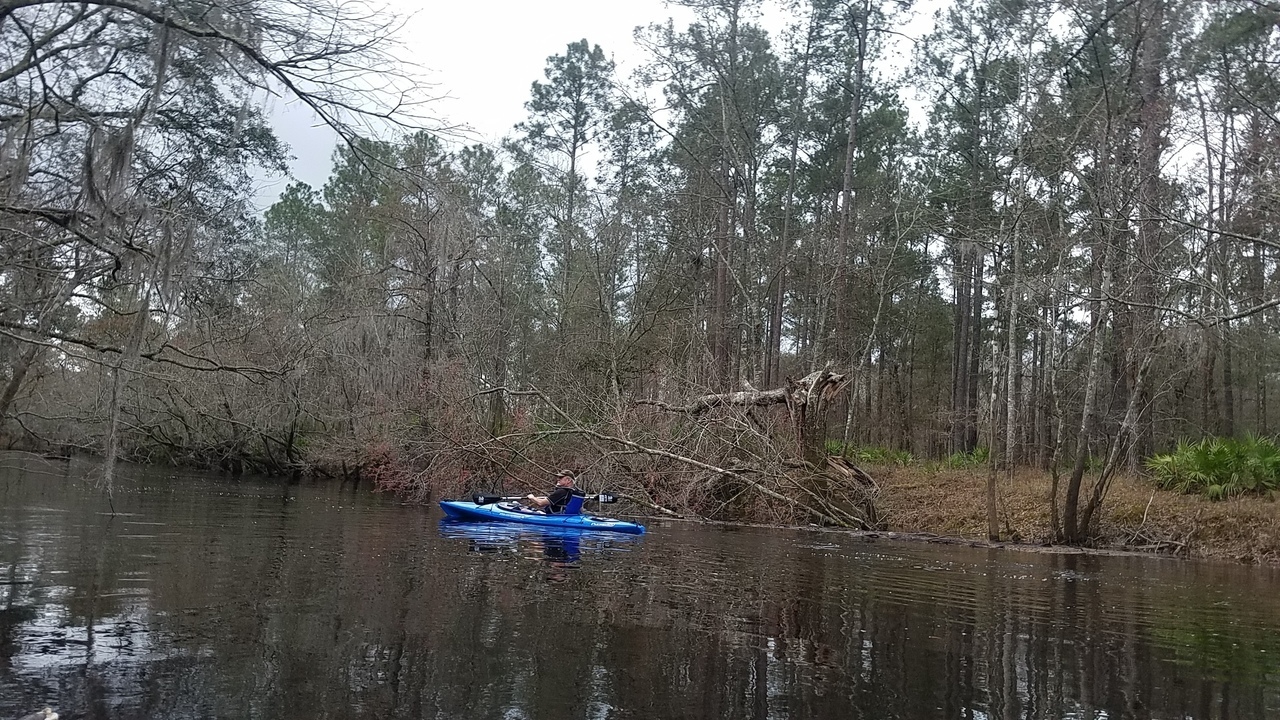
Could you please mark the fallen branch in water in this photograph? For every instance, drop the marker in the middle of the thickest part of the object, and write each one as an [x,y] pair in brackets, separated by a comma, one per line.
[651,505]
[830,490]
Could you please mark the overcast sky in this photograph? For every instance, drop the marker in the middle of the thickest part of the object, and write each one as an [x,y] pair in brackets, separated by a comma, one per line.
[483,55]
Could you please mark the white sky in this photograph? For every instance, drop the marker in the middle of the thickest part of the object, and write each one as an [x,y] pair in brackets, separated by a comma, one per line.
[483,55]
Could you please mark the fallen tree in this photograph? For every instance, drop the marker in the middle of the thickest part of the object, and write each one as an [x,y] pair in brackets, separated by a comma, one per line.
[830,488]
[750,455]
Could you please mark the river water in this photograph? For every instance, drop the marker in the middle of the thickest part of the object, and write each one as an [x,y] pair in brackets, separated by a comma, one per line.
[211,597]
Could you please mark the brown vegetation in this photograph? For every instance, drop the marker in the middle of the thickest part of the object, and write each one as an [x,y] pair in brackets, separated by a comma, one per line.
[951,502]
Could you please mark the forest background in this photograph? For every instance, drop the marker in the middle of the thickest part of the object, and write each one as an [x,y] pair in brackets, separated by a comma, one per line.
[722,283]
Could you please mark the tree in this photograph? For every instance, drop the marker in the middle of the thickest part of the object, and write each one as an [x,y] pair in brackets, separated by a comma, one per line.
[129,166]
[567,115]
[721,80]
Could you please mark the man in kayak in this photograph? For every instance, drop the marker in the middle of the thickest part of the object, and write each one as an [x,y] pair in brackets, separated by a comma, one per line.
[555,502]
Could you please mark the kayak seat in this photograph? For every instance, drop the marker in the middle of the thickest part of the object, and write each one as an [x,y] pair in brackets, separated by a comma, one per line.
[574,506]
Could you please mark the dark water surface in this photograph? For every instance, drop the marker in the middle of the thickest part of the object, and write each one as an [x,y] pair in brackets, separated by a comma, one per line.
[207,597]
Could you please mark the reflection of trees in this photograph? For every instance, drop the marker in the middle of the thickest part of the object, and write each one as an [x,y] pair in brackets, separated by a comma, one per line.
[301,602]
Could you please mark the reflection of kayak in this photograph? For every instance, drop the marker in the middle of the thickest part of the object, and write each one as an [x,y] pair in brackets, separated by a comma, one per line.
[558,547]
[556,543]
[508,512]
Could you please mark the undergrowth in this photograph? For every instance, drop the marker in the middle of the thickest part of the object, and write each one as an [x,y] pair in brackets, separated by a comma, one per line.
[1219,468]
[870,455]
[962,460]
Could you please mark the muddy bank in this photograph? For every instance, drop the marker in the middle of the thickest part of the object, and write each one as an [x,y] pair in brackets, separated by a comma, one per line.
[931,505]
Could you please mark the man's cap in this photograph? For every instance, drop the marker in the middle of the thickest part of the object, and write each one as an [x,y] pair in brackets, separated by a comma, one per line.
[565,473]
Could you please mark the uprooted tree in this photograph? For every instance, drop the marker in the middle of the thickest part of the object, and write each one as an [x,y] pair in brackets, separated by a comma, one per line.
[752,454]
[827,486]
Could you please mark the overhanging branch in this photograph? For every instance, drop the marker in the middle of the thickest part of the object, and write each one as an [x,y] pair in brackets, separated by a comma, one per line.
[50,339]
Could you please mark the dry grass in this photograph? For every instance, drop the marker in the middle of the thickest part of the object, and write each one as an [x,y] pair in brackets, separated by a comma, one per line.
[1135,514]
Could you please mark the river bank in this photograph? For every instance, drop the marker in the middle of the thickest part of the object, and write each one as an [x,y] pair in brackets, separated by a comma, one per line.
[1137,516]
[949,505]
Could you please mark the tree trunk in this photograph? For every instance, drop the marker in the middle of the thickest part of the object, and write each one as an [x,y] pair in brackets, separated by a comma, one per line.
[773,350]
[1153,120]
[962,278]
[25,360]
[975,350]
[1127,433]
[29,355]
[847,221]
[1228,384]
[1073,532]
[1013,362]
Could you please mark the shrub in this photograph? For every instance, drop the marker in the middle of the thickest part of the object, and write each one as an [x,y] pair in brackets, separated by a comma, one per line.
[883,456]
[870,455]
[1219,468]
[837,447]
[979,456]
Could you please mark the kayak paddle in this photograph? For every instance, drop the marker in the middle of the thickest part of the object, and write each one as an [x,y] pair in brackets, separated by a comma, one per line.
[490,499]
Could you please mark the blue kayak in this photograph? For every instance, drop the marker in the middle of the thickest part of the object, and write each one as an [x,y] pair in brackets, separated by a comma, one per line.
[515,513]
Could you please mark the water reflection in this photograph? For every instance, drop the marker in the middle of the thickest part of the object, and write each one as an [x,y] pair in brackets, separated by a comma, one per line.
[220,598]
[557,547]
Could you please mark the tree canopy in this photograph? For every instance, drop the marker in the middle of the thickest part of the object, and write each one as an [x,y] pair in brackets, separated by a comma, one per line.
[1043,231]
